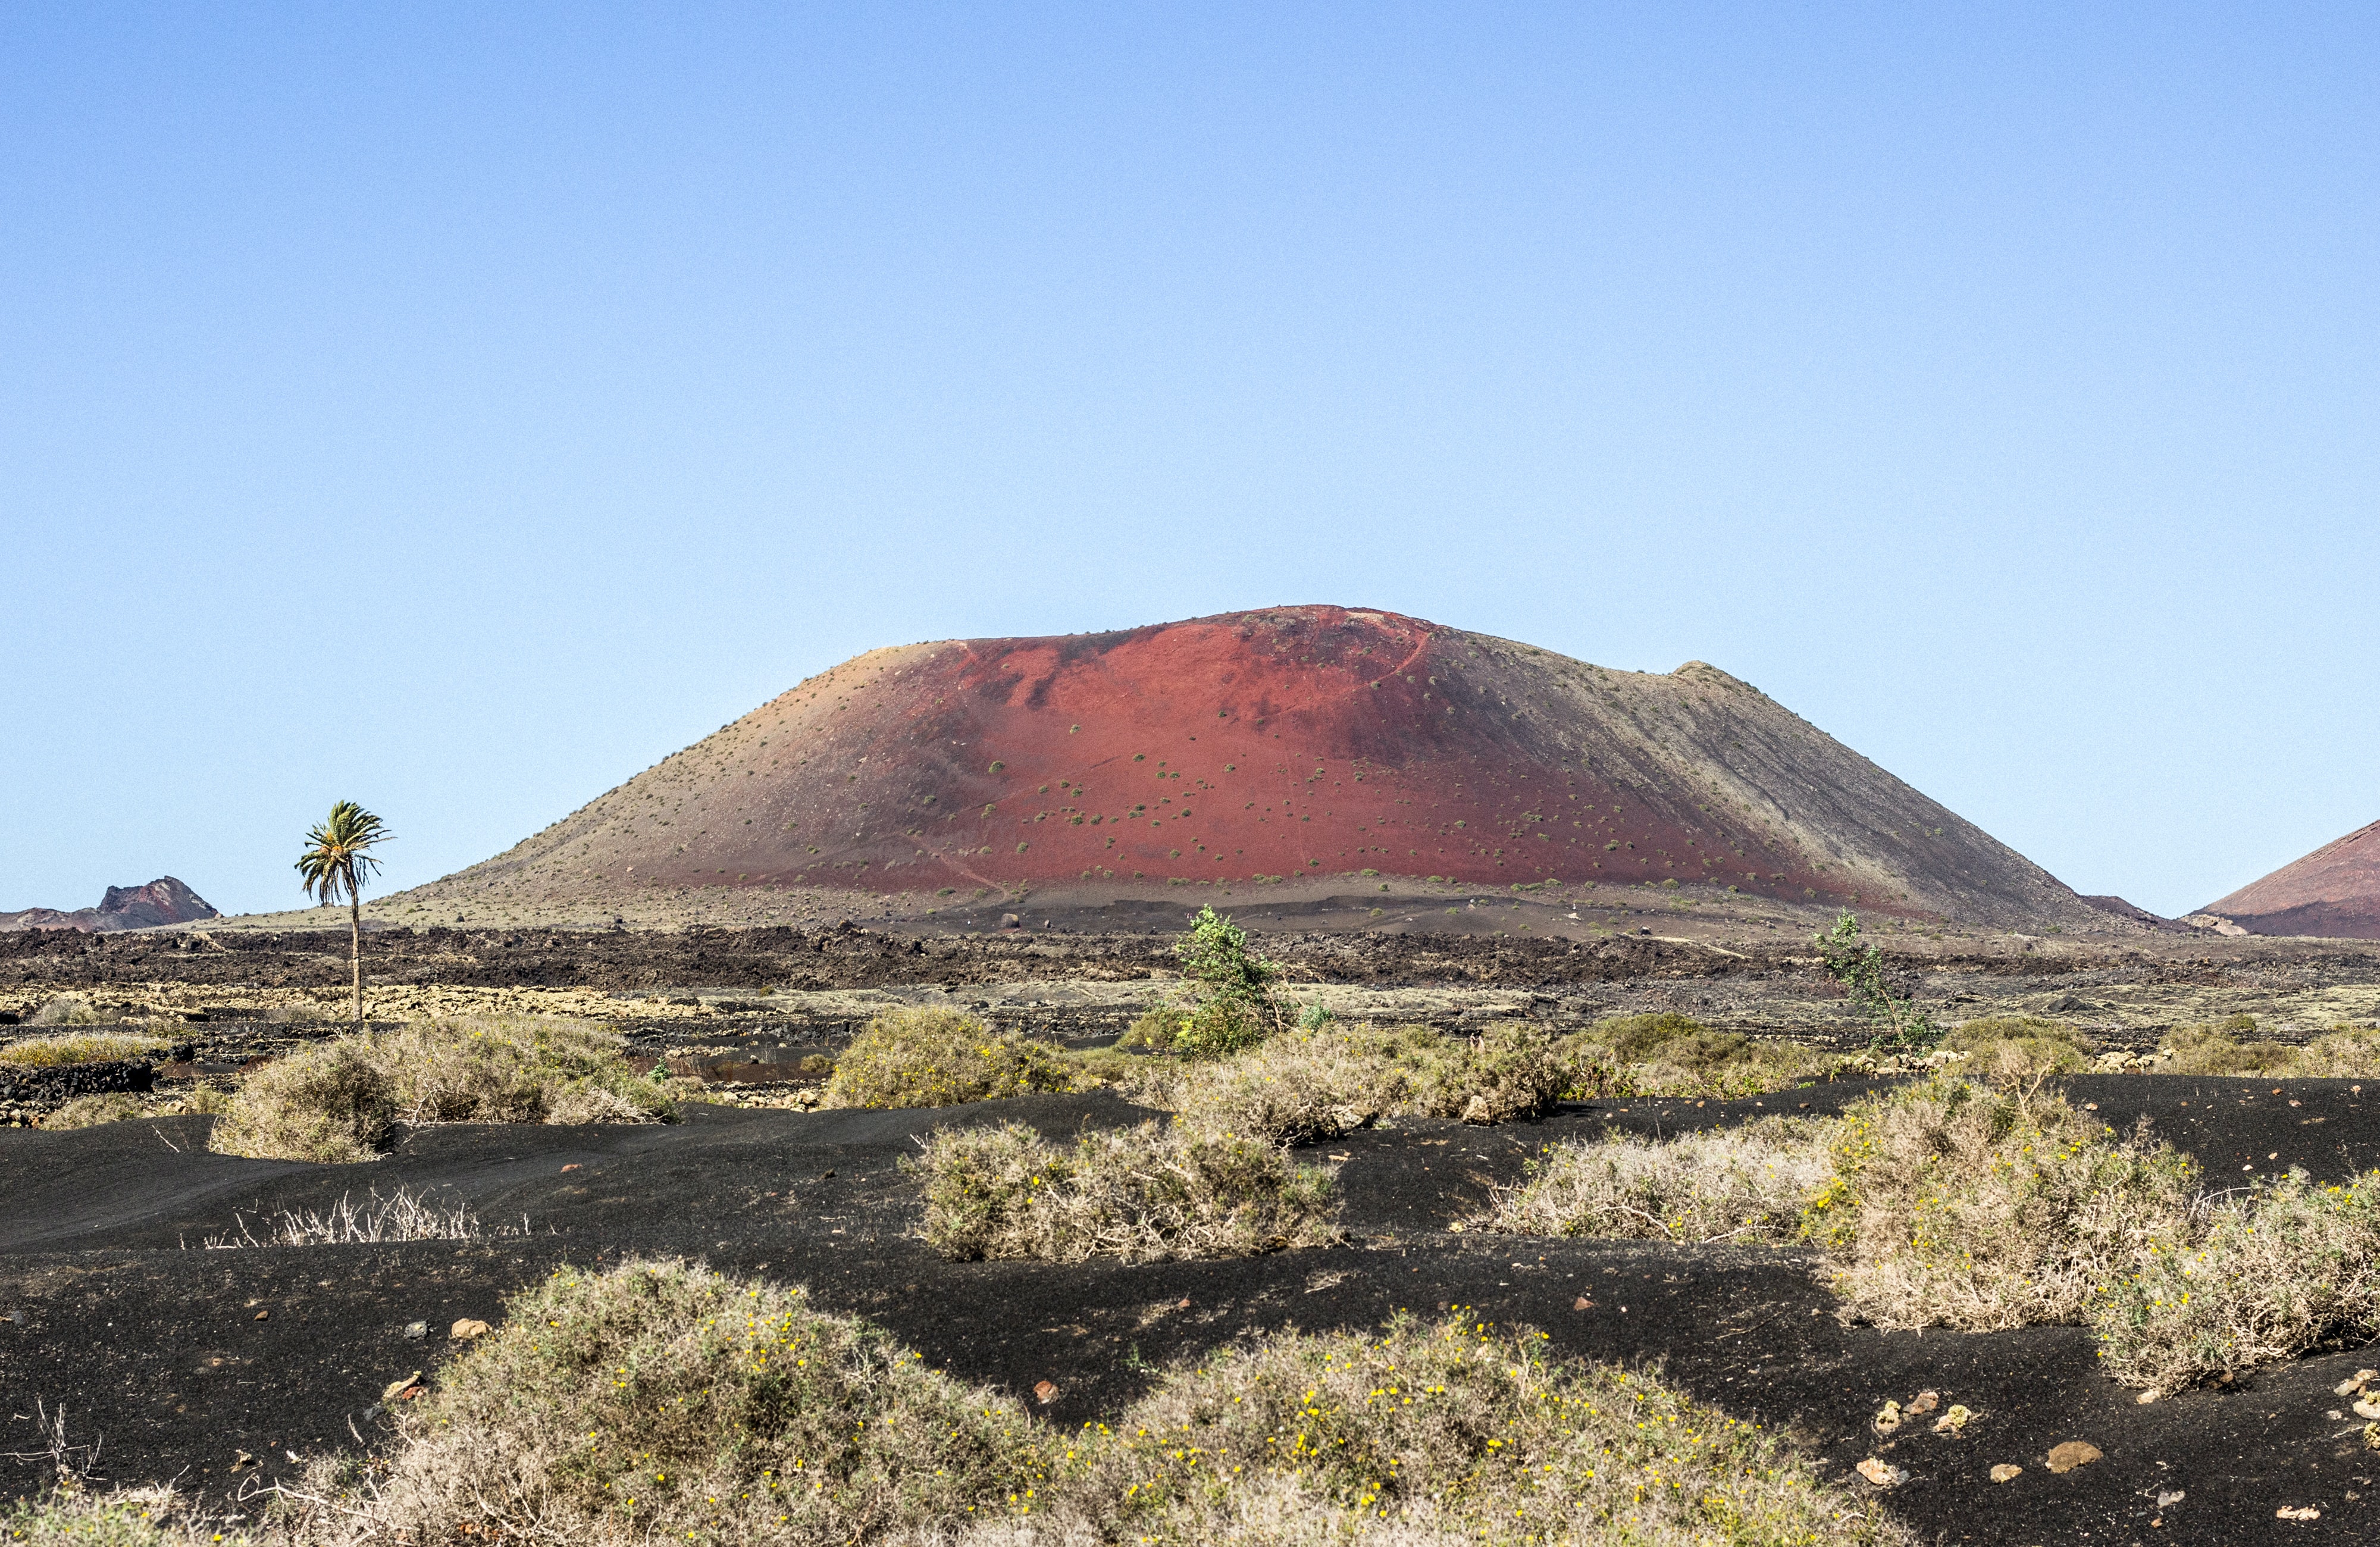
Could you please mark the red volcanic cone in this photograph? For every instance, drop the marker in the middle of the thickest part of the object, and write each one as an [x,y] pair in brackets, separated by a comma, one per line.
[1295,742]
[2334,891]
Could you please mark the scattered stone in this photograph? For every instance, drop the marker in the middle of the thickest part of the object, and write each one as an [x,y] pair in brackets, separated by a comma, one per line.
[416,1331]
[1882,1473]
[466,1329]
[2148,1396]
[243,1461]
[2166,1500]
[2006,1473]
[2302,1512]
[396,1390]
[1954,1422]
[1582,1303]
[1045,1392]
[2368,1408]
[1887,1418]
[2071,1453]
[1923,1402]
[263,1315]
[2353,1384]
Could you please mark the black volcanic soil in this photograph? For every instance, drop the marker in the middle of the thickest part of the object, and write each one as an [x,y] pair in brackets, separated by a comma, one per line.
[109,1303]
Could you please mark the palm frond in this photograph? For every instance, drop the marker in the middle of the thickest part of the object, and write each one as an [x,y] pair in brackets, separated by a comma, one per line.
[338,856]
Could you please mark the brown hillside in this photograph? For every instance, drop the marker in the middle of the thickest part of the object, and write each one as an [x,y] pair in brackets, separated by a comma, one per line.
[2335,890]
[1294,742]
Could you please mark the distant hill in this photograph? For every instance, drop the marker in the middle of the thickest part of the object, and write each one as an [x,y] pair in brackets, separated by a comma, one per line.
[163,901]
[2334,891]
[1305,741]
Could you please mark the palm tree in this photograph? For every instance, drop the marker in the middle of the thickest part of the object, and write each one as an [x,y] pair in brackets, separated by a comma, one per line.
[337,863]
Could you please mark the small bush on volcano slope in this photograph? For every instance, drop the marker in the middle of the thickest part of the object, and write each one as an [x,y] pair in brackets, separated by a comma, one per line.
[1670,1055]
[1331,1078]
[936,1057]
[662,1402]
[1510,1072]
[2269,1274]
[79,1047]
[1746,1185]
[2014,1042]
[1151,1193]
[90,1112]
[332,1102]
[1955,1204]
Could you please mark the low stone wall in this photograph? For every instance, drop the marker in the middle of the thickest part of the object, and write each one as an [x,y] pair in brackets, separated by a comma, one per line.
[26,1092]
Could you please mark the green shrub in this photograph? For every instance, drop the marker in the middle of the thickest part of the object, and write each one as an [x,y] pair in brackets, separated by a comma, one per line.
[2266,1275]
[1670,1055]
[1953,1204]
[1746,1185]
[80,1047]
[660,1402]
[2350,1052]
[938,1057]
[1153,1030]
[332,1102]
[502,1070]
[1152,1193]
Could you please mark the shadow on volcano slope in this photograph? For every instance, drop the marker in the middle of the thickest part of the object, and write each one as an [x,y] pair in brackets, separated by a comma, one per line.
[183,1358]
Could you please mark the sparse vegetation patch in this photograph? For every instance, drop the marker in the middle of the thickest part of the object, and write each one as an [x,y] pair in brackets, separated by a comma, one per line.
[938,1057]
[1746,1185]
[1150,1193]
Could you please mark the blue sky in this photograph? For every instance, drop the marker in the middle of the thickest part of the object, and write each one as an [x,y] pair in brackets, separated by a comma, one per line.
[459,412]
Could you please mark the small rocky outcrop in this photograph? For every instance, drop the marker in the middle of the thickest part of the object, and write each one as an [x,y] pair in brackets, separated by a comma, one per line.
[163,901]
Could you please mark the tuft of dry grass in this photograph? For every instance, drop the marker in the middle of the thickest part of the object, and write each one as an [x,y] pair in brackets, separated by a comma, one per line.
[1954,1204]
[1321,1081]
[1746,1185]
[66,1048]
[404,1215]
[90,1112]
[936,1057]
[2267,1273]
[1152,1193]
[2221,1050]
[2021,1042]
[658,1401]
[70,1009]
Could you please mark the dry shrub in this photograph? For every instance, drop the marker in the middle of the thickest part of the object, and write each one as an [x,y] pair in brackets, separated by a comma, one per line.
[2350,1052]
[938,1057]
[2220,1050]
[1510,1073]
[80,1047]
[338,1100]
[404,1215]
[1670,1055]
[70,1009]
[148,1517]
[1457,1431]
[1955,1204]
[2267,1274]
[499,1070]
[1300,1086]
[1746,1185]
[2016,1041]
[663,1402]
[90,1112]
[660,1401]
[1151,1193]
[331,1103]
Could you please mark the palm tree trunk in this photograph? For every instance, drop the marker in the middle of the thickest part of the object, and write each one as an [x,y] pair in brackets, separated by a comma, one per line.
[355,950]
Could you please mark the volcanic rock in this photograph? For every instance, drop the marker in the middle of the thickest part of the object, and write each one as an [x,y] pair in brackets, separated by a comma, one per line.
[163,901]
[1297,742]
[2335,890]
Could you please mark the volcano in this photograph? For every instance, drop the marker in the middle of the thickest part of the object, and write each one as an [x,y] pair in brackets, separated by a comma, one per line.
[2334,891]
[1310,741]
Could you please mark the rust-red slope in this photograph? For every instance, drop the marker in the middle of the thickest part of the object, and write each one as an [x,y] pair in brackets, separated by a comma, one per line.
[2335,890]
[1296,741]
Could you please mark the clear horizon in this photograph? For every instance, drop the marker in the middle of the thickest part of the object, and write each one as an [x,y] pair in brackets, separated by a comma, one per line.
[460,412]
